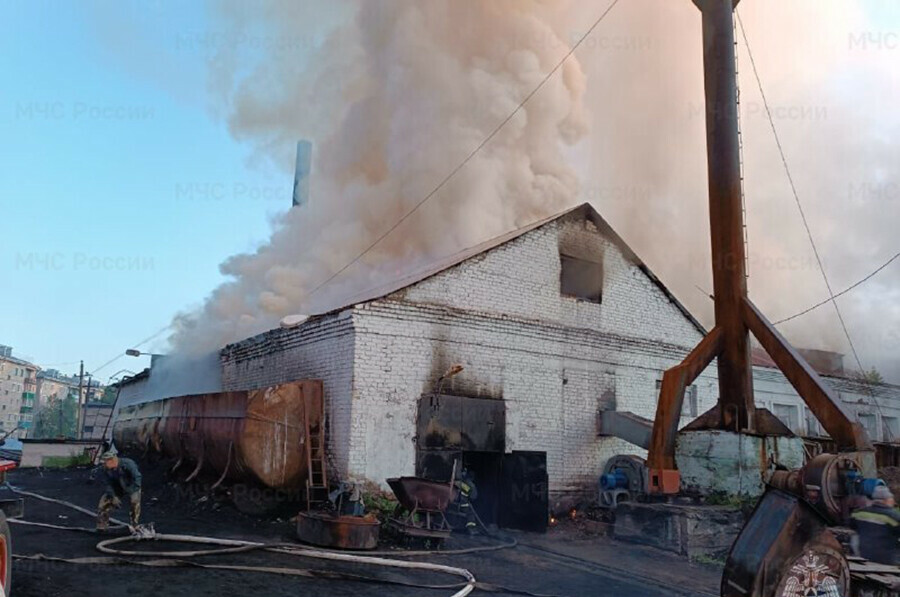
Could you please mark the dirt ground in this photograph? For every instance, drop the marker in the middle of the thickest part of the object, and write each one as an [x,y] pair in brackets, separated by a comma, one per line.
[558,563]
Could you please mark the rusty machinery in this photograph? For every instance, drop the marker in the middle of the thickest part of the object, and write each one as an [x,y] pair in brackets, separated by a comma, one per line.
[736,315]
[787,547]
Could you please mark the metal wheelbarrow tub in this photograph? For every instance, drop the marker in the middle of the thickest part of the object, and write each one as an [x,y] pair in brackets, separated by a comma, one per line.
[415,493]
[423,502]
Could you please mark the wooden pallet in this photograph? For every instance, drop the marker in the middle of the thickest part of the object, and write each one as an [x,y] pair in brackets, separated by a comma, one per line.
[871,578]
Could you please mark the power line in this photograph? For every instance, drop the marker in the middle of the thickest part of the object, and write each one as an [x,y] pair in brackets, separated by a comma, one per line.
[471,155]
[841,293]
[45,365]
[141,343]
[812,242]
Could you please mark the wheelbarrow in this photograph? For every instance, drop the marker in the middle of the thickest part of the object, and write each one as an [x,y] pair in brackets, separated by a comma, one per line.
[422,506]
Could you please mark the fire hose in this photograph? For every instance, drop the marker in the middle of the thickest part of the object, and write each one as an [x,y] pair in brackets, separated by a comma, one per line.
[231,546]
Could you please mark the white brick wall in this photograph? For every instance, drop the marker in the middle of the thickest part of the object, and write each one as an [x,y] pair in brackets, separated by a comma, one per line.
[550,357]
[321,349]
[501,316]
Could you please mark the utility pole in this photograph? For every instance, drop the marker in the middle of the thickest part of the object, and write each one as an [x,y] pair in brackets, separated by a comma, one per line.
[59,431]
[78,411]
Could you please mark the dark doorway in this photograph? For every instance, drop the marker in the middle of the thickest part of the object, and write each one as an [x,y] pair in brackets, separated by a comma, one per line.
[524,499]
[486,469]
[512,488]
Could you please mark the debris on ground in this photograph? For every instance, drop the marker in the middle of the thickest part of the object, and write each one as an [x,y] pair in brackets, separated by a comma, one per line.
[584,521]
[176,508]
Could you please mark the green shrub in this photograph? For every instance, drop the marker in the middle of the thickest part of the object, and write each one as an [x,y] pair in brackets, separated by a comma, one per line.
[66,461]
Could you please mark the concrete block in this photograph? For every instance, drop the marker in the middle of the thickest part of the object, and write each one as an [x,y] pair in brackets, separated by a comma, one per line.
[688,530]
[732,463]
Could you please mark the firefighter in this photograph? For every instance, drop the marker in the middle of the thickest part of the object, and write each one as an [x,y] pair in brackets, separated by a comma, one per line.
[468,493]
[123,480]
[878,527]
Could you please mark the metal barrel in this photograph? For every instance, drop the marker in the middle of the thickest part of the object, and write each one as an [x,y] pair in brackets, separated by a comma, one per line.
[244,436]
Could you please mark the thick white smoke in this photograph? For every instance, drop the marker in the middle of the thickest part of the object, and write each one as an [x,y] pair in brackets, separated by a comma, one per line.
[831,78]
[402,91]
[393,101]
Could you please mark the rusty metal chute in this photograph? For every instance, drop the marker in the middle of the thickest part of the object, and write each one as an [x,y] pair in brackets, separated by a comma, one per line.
[633,428]
[258,436]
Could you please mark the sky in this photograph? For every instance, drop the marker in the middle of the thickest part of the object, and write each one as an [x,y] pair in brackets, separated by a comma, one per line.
[124,183]
[120,190]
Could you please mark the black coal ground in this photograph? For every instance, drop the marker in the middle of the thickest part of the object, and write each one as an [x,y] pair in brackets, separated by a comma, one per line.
[177,509]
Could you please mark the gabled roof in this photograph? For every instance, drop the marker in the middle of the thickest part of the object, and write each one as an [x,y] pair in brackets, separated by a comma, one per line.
[432,269]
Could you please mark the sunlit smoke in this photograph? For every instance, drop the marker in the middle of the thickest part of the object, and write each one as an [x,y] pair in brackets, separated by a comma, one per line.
[400,92]
[393,100]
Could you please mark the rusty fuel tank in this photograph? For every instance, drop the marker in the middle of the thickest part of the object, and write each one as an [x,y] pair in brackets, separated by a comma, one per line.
[257,436]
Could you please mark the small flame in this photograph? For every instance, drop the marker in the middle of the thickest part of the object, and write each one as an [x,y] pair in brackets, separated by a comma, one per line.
[573,513]
[552,520]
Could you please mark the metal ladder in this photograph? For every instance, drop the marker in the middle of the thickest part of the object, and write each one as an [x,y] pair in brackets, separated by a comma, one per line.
[317,476]
[741,155]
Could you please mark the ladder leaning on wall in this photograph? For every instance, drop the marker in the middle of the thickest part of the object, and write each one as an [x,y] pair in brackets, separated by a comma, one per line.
[317,477]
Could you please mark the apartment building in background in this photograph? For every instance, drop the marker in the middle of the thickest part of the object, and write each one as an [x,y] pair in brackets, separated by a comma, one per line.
[53,385]
[18,388]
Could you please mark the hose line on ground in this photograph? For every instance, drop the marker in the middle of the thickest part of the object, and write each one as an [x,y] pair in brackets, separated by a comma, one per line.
[230,546]
[235,546]
[38,496]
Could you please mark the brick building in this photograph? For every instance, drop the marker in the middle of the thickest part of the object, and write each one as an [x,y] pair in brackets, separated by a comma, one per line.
[552,322]
[52,386]
[18,386]
[95,422]
[875,405]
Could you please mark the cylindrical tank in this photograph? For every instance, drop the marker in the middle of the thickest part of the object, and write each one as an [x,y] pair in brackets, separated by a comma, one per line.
[249,436]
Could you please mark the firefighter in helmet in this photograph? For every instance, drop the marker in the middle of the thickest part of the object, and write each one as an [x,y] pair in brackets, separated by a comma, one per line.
[467,493]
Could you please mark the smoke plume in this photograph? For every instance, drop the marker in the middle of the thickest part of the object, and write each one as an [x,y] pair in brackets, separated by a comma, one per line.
[399,92]
[393,100]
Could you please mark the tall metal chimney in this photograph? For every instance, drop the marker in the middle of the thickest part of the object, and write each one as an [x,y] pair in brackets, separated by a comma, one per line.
[726,215]
[301,173]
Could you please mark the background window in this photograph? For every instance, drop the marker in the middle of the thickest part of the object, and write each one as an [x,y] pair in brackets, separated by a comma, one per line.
[868,422]
[787,414]
[689,408]
[813,429]
[891,429]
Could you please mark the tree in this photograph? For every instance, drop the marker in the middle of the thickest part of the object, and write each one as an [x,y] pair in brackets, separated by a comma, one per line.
[109,395]
[47,420]
[870,376]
